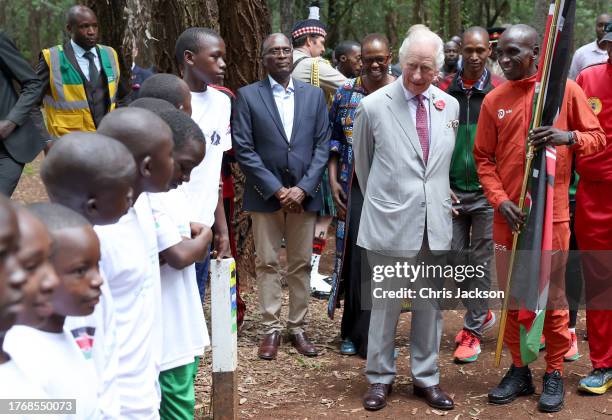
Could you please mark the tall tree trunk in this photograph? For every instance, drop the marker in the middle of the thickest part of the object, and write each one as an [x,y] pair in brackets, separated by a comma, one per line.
[152,25]
[540,13]
[333,23]
[442,18]
[287,17]
[391,25]
[418,12]
[34,22]
[244,25]
[170,18]
[454,17]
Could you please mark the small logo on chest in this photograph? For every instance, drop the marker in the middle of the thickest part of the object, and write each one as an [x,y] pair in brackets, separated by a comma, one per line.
[501,113]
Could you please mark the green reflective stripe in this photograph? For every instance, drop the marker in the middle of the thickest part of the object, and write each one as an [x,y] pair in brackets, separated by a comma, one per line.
[64,105]
[54,56]
[107,58]
[70,75]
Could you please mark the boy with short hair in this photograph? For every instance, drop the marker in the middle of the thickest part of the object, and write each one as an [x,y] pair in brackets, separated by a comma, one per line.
[150,141]
[15,383]
[184,345]
[61,370]
[199,53]
[168,87]
[130,260]
[154,105]
[93,175]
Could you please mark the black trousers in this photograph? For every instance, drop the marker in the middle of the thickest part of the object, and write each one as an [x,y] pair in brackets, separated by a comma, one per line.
[10,172]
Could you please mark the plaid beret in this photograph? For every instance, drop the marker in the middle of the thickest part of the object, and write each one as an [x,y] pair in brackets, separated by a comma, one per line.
[308,27]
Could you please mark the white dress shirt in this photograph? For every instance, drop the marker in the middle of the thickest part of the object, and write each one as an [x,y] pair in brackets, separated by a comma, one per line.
[586,56]
[285,100]
[79,53]
[413,103]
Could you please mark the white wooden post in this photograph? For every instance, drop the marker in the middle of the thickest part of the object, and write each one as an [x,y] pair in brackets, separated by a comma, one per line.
[224,339]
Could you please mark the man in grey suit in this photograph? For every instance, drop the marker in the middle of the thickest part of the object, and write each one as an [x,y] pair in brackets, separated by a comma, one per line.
[280,133]
[20,141]
[403,142]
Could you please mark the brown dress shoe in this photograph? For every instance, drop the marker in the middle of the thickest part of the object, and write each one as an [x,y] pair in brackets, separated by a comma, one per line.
[435,397]
[303,345]
[269,346]
[376,396]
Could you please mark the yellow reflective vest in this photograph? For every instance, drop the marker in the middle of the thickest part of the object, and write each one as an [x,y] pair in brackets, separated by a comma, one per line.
[65,105]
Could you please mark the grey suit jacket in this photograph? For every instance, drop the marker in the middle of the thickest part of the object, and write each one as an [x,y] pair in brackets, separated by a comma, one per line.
[25,143]
[402,194]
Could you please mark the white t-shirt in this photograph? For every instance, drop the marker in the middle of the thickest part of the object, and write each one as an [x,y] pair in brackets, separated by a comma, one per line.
[126,266]
[184,328]
[57,365]
[160,233]
[211,110]
[96,336]
[16,384]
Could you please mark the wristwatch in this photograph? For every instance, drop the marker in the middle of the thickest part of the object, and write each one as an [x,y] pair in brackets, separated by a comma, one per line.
[571,138]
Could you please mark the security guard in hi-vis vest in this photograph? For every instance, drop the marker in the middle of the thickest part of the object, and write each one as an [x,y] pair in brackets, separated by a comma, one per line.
[81,77]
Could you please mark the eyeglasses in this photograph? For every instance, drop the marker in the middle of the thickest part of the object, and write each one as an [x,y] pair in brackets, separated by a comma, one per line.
[277,52]
[381,60]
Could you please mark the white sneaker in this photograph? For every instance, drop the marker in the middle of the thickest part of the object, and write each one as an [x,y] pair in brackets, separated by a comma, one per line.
[318,284]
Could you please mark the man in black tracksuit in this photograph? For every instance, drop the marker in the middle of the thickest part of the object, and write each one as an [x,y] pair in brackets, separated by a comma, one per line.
[472,227]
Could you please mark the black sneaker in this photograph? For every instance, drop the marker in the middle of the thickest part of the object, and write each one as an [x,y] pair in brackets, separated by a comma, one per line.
[515,383]
[551,399]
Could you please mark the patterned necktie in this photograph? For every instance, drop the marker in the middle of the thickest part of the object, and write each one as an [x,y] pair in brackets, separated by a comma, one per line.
[422,127]
[93,70]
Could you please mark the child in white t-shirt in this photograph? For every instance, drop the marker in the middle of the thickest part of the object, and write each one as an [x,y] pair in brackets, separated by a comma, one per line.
[93,175]
[151,142]
[127,261]
[61,370]
[185,333]
[15,383]
[201,52]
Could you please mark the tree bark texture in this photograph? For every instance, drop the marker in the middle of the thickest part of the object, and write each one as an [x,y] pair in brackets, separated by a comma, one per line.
[287,17]
[454,17]
[244,25]
[540,13]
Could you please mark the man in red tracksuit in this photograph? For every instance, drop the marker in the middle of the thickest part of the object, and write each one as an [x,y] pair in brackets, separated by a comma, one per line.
[593,226]
[499,150]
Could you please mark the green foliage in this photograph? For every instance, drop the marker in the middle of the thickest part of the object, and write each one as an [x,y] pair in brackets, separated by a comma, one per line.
[34,24]
[394,17]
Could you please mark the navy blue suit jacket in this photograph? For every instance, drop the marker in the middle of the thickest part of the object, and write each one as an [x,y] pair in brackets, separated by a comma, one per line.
[267,158]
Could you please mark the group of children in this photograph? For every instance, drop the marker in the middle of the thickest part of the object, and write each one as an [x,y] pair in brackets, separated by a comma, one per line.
[98,293]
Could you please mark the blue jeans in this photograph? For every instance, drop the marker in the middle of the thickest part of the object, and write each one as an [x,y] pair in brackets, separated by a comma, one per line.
[202,275]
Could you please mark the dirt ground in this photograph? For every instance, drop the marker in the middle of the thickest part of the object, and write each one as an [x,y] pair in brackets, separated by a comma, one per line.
[331,386]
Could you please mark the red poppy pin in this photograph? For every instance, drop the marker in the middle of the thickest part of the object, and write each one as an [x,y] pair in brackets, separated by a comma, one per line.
[439,104]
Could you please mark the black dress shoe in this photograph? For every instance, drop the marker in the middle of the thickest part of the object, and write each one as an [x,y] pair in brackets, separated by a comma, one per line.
[435,397]
[551,399]
[516,382]
[376,396]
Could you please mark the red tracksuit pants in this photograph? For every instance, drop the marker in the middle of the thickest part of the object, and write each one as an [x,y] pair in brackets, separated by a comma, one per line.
[555,322]
[593,227]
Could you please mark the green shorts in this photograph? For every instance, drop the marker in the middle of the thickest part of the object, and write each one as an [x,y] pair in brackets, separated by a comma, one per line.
[178,392]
